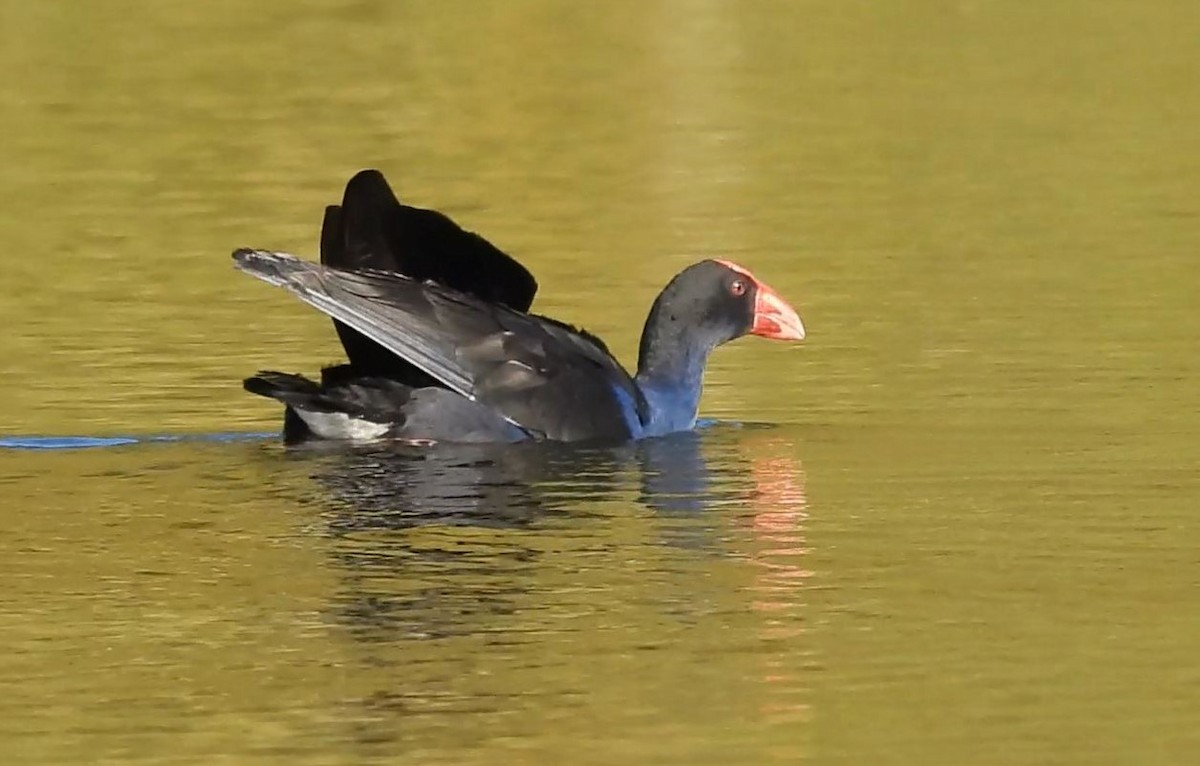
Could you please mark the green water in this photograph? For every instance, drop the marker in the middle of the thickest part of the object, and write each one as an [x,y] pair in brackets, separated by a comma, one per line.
[957,525]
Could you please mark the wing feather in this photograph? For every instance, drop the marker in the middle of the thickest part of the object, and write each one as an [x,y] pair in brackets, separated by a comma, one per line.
[542,376]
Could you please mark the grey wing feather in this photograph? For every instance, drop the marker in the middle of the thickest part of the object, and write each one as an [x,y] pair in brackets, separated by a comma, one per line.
[485,352]
[393,329]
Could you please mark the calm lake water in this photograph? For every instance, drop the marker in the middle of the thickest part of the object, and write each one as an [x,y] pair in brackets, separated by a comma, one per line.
[956,526]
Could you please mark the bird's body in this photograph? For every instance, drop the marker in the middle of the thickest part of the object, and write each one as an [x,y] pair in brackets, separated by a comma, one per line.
[441,346]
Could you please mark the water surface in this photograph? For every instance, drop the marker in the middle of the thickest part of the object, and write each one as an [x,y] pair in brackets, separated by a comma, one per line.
[955,526]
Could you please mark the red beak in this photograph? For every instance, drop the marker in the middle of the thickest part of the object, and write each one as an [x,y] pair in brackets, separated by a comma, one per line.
[774,318]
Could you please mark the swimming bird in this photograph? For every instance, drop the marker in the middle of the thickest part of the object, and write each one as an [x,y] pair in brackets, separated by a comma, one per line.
[441,346]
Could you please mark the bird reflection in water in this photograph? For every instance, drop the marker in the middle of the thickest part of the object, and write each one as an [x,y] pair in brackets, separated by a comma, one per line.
[450,542]
[401,486]
[780,509]
[371,494]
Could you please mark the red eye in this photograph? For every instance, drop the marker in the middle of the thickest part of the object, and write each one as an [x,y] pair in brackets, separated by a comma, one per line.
[738,288]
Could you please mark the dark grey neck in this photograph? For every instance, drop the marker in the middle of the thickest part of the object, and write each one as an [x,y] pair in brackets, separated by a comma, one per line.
[671,348]
[671,361]
[672,358]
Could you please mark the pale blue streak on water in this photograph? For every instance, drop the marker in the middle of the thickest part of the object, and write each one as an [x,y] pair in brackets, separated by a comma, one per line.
[92,442]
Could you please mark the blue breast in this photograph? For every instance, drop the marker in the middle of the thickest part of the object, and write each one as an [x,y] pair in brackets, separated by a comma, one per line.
[671,408]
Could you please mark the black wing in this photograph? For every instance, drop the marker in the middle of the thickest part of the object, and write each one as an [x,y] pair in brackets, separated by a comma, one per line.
[372,230]
[543,376]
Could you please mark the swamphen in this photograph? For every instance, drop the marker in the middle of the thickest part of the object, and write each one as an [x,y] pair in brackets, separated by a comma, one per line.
[441,348]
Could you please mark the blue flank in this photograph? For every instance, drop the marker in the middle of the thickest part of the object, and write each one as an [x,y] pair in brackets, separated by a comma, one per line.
[629,410]
[92,442]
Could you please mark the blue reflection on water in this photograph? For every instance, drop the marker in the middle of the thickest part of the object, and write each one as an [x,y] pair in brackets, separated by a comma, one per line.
[91,442]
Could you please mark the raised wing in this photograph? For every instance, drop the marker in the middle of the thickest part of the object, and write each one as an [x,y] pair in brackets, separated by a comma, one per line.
[547,378]
[372,230]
